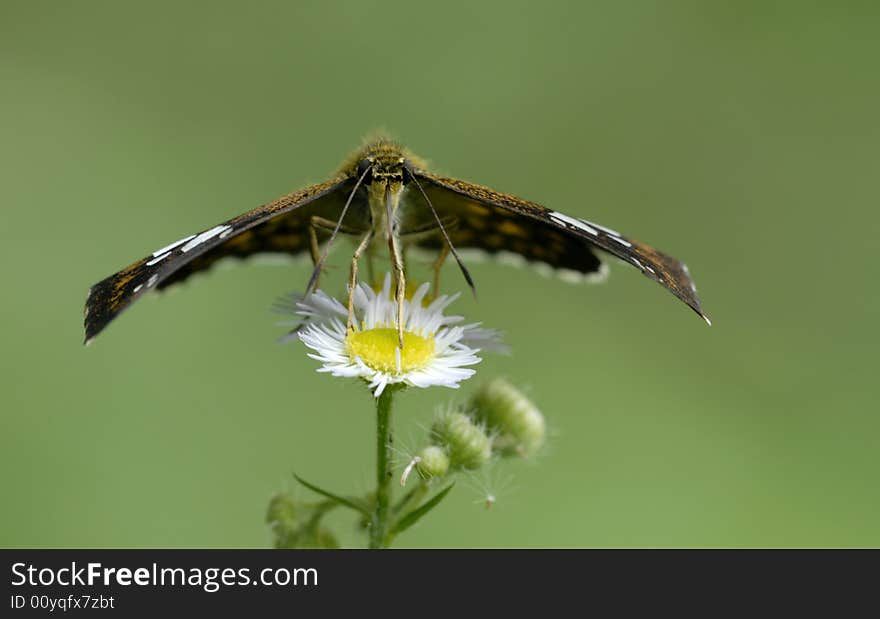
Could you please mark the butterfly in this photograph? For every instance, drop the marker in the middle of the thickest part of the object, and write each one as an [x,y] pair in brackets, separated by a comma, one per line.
[383,195]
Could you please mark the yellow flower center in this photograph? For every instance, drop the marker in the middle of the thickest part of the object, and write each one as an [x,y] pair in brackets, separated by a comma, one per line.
[377,348]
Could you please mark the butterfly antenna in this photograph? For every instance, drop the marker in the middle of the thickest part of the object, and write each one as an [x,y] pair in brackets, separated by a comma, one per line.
[453,251]
[320,266]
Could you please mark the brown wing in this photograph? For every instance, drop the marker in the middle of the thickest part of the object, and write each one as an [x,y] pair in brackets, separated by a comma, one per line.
[494,221]
[279,226]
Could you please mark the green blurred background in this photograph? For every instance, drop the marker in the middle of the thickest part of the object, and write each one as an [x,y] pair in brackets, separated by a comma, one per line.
[740,137]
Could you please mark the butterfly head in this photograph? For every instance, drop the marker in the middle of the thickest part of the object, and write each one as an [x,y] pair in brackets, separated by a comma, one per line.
[385,163]
[385,169]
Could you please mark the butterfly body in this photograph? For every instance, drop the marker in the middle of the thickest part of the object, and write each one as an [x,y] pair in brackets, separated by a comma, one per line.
[383,196]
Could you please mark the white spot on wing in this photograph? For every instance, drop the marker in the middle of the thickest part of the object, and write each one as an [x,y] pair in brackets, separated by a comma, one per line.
[610,231]
[571,221]
[511,259]
[599,276]
[543,269]
[692,285]
[159,258]
[204,236]
[137,288]
[168,248]
[614,235]
[570,276]
[152,281]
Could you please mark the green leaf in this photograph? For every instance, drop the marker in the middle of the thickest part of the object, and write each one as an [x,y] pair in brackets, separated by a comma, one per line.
[351,502]
[415,515]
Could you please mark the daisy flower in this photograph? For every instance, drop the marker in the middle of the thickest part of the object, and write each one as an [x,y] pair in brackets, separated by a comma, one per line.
[437,349]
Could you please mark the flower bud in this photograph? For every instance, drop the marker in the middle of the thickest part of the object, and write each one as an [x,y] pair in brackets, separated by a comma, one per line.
[282,512]
[433,462]
[465,442]
[295,525]
[518,425]
[281,516]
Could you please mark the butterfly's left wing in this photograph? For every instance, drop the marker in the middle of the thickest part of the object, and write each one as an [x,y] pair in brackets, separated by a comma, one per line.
[278,227]
[495,221]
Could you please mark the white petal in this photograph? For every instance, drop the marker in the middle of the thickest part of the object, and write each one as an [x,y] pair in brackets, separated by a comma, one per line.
[456,346]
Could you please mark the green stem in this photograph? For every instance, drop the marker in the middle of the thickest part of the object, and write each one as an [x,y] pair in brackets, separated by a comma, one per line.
[383,469]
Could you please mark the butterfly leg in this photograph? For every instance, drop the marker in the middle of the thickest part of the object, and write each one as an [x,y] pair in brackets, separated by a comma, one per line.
[319,223]
[353,279]
[371,268]
[400,279]
[314,249]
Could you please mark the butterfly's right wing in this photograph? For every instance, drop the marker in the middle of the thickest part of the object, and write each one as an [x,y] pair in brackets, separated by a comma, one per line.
[279,226]
[495,221]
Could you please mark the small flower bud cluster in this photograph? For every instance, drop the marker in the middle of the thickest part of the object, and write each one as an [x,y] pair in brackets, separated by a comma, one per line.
[517,425]
[464,440]
[432,462]
[498,420]
[298,525]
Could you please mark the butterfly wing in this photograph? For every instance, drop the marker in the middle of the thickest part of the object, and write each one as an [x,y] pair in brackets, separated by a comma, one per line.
[279,226]
[495,221]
